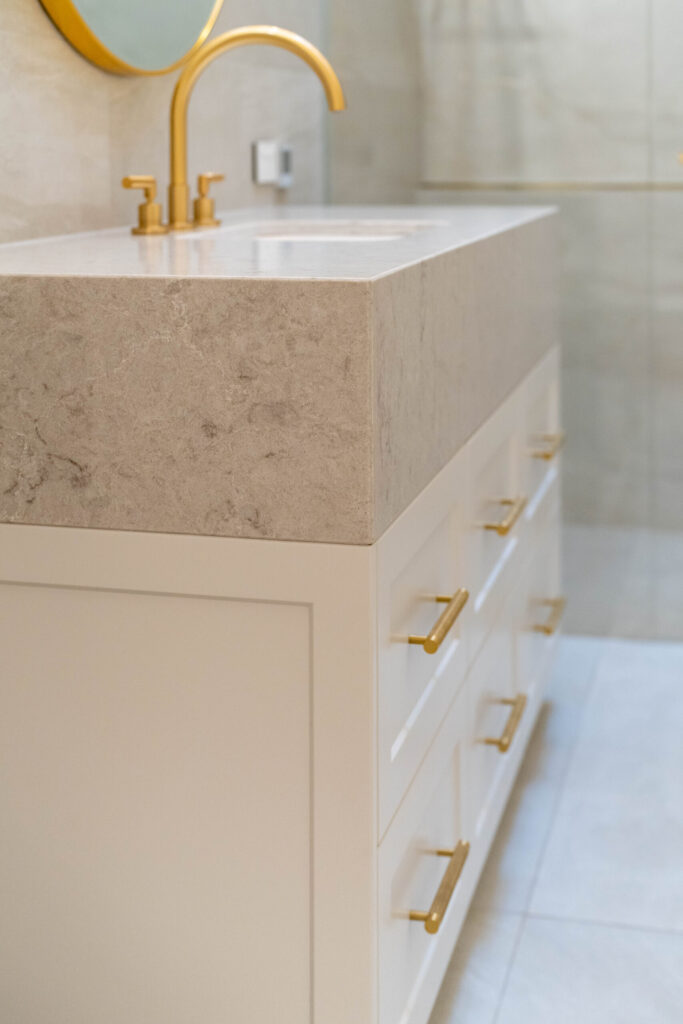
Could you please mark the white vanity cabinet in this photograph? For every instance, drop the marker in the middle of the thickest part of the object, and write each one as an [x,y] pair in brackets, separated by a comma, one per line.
[228,778]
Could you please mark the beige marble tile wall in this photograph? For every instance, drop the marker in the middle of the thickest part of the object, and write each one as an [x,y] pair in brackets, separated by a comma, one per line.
[545,93]
[374,149]
[535,91]
[605,328]
[667,267]
[71,131]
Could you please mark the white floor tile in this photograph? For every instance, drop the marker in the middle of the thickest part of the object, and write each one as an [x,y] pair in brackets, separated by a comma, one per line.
[569,973]
[666,568]
[474,982]
[508,877]
[615,852]
[623,581]
[597,561]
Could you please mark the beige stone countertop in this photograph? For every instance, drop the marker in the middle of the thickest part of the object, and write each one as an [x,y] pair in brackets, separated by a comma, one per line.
[320,243]
[299,374]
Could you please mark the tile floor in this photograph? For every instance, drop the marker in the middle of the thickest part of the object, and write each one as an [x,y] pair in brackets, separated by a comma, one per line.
[622,581]
[578,918]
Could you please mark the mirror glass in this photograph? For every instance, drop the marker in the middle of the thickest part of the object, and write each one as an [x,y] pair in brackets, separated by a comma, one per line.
[128,36]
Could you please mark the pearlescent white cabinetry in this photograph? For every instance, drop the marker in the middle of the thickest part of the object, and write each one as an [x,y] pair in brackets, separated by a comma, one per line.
[229,778]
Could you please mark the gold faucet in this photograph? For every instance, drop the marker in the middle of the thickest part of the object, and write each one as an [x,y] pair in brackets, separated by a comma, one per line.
[179,192]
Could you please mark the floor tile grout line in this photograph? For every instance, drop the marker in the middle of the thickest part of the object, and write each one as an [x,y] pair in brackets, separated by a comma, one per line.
[492,907]
[525,915]
[595,923]
[508,969]
[562,781]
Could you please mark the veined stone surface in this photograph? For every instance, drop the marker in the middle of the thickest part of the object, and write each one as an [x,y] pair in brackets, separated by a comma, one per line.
[286,407]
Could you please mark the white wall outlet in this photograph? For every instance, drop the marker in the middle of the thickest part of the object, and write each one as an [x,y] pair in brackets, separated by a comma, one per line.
[271,163]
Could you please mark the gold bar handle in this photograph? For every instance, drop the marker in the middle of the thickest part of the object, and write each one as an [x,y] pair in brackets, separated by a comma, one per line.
[433,917]
[445,622]
[516,507]
[504,741]
[557,606]
[552,444]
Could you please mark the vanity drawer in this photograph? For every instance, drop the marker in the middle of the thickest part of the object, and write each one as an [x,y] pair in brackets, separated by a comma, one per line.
[540,432]
[495,507]
[419,559]
[412,960]
[541,604]
[496,712]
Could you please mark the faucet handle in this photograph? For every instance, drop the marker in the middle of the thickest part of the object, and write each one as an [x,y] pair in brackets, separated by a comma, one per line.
[149,213]
[204,206]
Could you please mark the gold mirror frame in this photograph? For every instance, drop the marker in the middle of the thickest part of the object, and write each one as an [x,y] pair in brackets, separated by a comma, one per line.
[75,29]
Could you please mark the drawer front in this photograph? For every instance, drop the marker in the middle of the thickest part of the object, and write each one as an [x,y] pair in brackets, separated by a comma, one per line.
[495,509]
[541,605]
[412,960]
[490,690]
[540,431]
[419,559]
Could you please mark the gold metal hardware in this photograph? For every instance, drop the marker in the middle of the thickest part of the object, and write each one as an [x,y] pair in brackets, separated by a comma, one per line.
[551,445]
[150,214]
[178,192]
[445,622]
[516,507]
[504,741]
[433,917]
[557,606]
[73,27]
[204,206]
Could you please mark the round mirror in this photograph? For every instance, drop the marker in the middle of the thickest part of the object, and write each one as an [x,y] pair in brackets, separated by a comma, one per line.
[135,37]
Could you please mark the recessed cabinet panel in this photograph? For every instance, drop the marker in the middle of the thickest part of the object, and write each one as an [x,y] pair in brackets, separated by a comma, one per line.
[155,842]
[411,960]
[496,504]
[419,560]
[540,431]
[490,689]
[541,603]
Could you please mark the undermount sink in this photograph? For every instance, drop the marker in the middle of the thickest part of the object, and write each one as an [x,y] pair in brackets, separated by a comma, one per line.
[340,230]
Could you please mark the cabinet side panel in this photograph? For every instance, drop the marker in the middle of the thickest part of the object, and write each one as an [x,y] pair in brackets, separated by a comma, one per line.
[155,803]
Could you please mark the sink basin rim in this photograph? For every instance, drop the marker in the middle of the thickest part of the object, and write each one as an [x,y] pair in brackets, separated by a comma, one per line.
[335,229]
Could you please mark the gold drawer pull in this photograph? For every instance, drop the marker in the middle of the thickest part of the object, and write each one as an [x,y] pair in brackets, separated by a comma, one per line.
[557,606]
[445,622]
[433,917]
[552,444]
[516,507]
[504,742]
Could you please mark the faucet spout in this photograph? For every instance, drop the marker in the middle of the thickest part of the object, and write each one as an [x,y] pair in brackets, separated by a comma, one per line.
[268,35]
